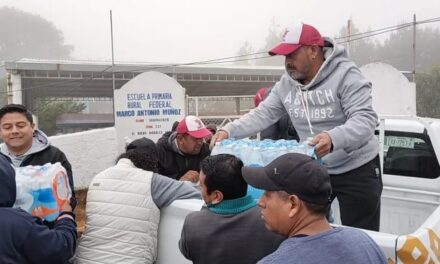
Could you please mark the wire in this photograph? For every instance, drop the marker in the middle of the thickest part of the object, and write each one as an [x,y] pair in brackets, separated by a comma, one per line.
[385,30]
[84,80]
[349,38]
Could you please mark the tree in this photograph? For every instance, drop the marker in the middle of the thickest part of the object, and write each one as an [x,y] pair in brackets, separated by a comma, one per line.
[48,111]
[397,49]
[273,37]
[361,49]
[3,93]
[428,93]
[246,49]
[26,35]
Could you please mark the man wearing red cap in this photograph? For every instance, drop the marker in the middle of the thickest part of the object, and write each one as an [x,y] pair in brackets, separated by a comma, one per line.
[181,152]
[329,100]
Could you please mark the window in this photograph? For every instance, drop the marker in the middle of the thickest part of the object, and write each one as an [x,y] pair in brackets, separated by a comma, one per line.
[409,154]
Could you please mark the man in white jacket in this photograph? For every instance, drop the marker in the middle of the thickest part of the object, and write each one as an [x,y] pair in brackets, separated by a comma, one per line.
[329,100]
[123,208]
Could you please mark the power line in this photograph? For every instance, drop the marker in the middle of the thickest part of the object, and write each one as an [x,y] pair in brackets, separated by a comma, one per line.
[230,59]
[207,62]
[376,32]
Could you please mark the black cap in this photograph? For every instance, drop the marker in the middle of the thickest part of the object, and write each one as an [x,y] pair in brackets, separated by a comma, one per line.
[293,173]
[7,183]
[143,145]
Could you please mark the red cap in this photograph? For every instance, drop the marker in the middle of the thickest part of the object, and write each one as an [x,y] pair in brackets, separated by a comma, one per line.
[295,37]
[260,96]
[193,126]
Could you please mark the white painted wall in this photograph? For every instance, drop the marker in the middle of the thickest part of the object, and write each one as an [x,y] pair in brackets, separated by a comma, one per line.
[392,93]
[89,152]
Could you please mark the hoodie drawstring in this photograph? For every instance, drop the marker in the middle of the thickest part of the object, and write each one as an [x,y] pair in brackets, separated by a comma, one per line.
[305,105]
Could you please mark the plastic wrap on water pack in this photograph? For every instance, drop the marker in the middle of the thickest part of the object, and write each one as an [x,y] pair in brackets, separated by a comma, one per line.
[259,153]
[42,190]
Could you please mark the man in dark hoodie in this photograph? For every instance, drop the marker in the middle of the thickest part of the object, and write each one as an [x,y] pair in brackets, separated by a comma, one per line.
[283,129]
[181,152]
[24,238]
[25,145]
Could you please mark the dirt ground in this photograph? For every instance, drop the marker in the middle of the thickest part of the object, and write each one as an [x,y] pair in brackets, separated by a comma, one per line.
[80,210]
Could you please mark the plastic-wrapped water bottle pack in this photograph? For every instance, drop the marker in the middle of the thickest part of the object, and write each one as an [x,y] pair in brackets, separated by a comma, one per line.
[42,190]
[256,153]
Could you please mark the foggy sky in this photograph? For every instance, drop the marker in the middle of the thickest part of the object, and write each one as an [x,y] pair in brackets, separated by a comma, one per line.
[196,30]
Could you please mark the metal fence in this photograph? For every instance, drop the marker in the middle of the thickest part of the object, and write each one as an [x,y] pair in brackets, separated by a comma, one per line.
[219,110]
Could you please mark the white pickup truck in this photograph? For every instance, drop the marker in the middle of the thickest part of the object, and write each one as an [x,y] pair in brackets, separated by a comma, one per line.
[410,213]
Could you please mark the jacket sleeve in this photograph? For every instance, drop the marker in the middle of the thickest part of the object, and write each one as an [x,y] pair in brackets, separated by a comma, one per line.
[57,245]
[165,190]
[183,246]
[356,103]
[267,113]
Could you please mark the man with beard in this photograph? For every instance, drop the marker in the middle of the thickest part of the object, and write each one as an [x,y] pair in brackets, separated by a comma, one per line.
[329,101]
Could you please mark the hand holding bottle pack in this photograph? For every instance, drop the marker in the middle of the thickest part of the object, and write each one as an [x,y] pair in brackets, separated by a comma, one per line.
[42,190]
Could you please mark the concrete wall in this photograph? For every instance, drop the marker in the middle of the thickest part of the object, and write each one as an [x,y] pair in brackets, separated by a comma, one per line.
[89,152]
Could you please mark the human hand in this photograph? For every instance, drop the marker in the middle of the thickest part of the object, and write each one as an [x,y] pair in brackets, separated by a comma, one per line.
[219,136]
[322,143]
[191,175]
[66,207]
[66,211]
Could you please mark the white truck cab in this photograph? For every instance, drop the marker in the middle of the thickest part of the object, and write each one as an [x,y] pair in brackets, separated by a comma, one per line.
[410,213]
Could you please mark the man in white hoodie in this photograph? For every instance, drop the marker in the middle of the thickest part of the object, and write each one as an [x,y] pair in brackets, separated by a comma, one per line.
[328,100]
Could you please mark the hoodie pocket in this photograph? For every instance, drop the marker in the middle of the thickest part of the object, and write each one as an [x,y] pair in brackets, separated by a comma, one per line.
[337,158]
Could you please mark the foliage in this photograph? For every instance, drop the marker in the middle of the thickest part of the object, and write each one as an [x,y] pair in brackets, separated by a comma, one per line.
[48,111]
[361,50]
[428,93]
[3,89]
[26,35]
[395,49]
[246,49]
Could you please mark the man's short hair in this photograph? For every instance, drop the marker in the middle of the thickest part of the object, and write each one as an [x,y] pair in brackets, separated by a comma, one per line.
[141,160]
[16,108]
[316,209]
[223,173]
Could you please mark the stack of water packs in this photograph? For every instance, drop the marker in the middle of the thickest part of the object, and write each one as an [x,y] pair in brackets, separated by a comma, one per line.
[256,153]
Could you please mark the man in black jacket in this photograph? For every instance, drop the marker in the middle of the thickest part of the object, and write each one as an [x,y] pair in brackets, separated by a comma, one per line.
[283,129]
[181,152]
[25,145]
[24,238]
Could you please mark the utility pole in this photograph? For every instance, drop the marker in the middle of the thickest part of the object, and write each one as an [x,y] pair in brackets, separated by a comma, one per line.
[414,48]
[348,35]
[113,55]
[113,65]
